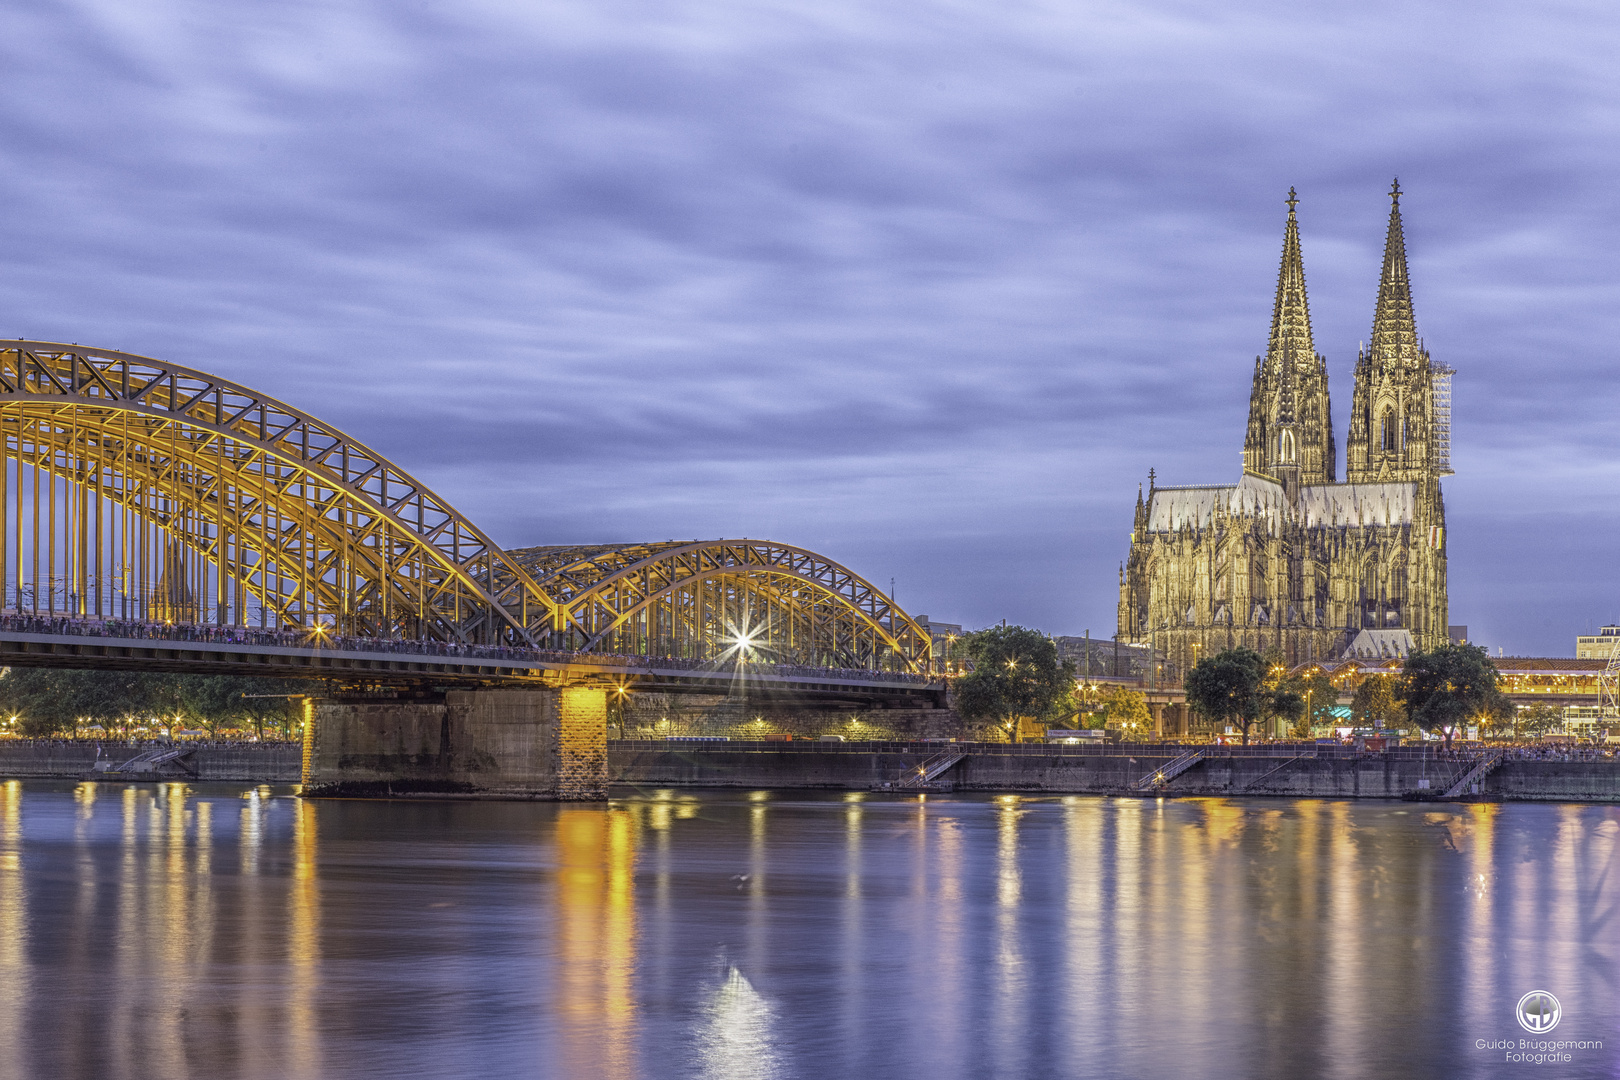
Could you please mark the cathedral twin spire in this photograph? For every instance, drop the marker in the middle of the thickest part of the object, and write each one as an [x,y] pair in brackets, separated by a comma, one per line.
[1394,336]
[1393,435]
[1290,431]
[1290,434]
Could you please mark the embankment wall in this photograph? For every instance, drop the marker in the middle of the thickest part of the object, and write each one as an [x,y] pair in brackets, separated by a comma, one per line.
[653,716]
[269,763]
[1085,770]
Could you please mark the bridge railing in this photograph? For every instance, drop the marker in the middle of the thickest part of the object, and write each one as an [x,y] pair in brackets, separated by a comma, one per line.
[62,626]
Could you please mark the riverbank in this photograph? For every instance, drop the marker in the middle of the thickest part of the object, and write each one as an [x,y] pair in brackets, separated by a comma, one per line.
[270,763]
[1336,773]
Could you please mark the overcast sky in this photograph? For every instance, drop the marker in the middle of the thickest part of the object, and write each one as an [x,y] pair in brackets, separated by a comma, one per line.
[926,287]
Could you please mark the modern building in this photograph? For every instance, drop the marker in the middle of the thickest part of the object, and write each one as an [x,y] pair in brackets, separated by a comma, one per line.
[1288,557]
[1598,646]
[944,637]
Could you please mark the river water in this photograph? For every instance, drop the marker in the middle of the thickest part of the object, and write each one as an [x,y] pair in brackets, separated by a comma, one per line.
[231,931]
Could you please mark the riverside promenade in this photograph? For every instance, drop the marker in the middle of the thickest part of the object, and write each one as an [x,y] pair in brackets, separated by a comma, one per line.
[1294,770]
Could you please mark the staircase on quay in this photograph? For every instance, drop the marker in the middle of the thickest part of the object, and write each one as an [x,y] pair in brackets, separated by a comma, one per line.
[1167,772]
[923,775]
[1481,769]
[1290,760]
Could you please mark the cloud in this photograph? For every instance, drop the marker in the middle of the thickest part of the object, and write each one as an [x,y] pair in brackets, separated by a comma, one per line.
[927,287]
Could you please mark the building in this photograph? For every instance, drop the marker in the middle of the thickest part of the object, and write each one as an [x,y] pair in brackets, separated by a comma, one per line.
[1288,557]
[1598,646]
[943,636]
[1105,658]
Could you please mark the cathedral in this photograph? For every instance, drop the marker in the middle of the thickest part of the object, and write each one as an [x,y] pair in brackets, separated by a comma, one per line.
[1288,558]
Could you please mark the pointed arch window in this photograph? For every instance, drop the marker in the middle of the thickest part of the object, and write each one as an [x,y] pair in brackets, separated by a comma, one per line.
[1387,431]
[1285,448]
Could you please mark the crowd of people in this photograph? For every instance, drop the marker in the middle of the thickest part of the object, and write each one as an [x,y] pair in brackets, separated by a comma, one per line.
[1561,752]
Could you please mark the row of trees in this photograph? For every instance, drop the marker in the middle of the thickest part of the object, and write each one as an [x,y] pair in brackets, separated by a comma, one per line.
[1018,677]
[1441,691]
[49,702]
[1241,688]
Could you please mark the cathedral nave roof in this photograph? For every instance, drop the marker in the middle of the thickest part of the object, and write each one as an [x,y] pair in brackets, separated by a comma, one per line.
[1252,497]
[1320,505]
[1358,504]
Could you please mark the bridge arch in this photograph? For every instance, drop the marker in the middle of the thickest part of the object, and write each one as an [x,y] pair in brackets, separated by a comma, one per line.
[138,489]
[705,600]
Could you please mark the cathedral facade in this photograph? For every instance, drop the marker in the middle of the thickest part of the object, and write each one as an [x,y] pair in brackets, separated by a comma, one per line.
[1288,557]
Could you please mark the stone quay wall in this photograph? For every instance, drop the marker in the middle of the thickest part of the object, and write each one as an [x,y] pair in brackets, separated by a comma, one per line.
[266,763]
[653,716]
[1005,768]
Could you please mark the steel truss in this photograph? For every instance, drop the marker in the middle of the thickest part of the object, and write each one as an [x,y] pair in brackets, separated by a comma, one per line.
[706,600]
[137,489]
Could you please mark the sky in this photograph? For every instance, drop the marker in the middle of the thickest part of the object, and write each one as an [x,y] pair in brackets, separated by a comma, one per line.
[925,287]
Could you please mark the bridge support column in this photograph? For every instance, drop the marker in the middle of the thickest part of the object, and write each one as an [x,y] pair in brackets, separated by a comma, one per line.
[542,743]
[582,743]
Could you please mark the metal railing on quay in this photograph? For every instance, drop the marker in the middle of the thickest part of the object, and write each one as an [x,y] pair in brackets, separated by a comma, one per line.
[1432,754]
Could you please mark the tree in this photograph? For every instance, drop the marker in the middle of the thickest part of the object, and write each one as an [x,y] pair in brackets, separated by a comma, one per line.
[1537,720]
[1321,697]
[47,702]
[1229,687]
[1449,686]
[1377,702]
[1128,711]
[1284,703]
[1016,672]
[1091,705]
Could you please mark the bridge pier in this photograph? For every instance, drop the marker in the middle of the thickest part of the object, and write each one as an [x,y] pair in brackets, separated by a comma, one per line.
[539,743]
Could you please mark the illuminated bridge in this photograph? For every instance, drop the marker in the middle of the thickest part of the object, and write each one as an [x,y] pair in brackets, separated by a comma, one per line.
[157,517]
[140,492]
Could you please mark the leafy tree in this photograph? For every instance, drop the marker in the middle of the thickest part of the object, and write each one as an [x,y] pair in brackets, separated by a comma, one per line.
[1286,705]
[1320,698]
[1128,711]
[1449,686]
[1537,720]
[1229,687]
[47,702]
[1016,672]
[1377,702]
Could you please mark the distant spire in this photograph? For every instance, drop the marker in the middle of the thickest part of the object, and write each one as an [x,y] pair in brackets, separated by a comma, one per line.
[1291,314]
[1394,334]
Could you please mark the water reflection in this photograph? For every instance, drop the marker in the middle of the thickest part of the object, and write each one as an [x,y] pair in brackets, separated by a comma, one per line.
[195,930]
[735,1040]
[15,975]
[595,907]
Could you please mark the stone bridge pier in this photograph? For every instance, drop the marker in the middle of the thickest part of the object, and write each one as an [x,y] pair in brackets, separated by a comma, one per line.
[527,743]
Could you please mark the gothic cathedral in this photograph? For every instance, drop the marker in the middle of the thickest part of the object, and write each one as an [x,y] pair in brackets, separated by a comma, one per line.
[1288,558]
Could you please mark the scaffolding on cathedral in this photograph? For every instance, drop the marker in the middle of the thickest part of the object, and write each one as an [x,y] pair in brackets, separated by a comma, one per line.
[1440,386]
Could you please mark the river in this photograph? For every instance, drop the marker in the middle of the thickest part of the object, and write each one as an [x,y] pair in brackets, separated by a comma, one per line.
[236,931]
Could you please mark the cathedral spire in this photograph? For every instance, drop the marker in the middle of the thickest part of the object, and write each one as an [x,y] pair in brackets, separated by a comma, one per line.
[1394,435]
[1394,335]
[1291,313]
[1290,434]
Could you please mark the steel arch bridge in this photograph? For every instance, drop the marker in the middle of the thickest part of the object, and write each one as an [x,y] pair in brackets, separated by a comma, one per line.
[135,489]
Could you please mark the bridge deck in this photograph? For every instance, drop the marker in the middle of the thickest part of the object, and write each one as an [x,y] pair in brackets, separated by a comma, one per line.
[382,665]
